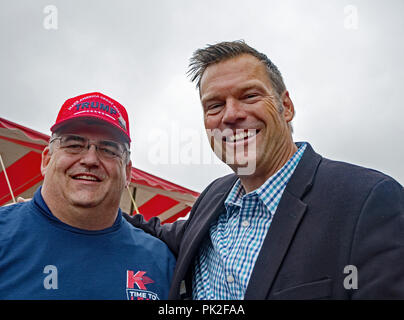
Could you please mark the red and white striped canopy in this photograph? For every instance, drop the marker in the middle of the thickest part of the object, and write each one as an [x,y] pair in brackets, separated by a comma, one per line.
[21,148]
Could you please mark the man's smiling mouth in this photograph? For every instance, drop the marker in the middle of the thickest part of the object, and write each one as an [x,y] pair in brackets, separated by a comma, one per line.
[241,135]
[86,177]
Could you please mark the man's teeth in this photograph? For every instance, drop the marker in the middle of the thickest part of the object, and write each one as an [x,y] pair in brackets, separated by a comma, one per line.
[241,135]
[86,177]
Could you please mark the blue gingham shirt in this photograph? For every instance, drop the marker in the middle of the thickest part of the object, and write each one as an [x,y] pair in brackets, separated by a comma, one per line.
[226,259]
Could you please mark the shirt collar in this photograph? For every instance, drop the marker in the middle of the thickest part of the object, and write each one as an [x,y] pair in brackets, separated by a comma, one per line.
[271,187]
[44,211]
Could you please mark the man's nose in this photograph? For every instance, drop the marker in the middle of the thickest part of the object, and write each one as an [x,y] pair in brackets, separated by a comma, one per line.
[234,111]
[90,157]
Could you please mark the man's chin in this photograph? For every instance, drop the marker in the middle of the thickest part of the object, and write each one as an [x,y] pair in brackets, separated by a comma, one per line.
[85,203]
[244,166]
[242,163]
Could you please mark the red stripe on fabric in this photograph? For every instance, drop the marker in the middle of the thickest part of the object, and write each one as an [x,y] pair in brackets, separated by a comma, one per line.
[180,214]
[22,174]
[24,143]
[32,134]
[143,178]
[156,206]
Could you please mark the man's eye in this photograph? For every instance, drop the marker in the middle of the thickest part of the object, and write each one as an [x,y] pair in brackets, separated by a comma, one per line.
[109,151]
[72,142]
[251,96]
[214,108]
[73,146]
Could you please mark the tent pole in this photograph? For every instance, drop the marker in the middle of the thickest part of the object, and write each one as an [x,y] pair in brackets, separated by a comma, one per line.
[8,182]
[133,200]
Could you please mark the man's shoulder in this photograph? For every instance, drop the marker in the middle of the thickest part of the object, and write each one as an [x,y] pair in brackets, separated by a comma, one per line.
[337,170]
[213,194]
[347,178]
[138,237]
[222,184]
[12,206]
[13,211]
[14,218]
[353,172]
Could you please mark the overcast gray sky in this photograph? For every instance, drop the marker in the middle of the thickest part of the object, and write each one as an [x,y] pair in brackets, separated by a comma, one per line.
[341,62]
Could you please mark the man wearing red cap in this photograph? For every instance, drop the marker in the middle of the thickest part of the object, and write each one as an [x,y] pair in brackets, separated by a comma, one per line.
[70,241]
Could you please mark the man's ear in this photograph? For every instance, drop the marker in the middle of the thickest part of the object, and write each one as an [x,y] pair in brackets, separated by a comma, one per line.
[128,173]
[288,107]
[46,156]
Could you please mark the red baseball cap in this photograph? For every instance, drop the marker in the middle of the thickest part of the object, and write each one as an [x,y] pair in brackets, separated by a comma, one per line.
[97,106]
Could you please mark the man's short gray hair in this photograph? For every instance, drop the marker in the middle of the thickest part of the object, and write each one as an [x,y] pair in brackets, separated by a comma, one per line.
[211,54]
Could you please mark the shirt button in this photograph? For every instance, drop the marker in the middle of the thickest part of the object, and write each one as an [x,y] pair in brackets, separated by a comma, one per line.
[245,223]
[230,278]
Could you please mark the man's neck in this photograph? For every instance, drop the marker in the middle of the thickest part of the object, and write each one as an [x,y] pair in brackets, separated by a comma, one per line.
[264,171]
[94,218]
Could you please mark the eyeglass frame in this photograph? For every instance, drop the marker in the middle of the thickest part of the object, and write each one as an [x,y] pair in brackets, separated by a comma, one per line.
[96,144]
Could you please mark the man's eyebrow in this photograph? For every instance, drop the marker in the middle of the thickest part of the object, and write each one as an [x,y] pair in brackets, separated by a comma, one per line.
[109,142]
[253,85]
[210,97]
[71,136]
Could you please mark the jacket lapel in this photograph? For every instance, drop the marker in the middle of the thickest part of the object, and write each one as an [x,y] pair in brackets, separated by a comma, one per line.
[286,221]
[200,227]
[208,210]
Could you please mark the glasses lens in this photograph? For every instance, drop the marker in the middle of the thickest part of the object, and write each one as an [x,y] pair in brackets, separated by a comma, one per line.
[106,149]
[109,149]
[72,143]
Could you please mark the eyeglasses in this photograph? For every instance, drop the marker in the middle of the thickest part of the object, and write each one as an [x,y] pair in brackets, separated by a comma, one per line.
[75,144]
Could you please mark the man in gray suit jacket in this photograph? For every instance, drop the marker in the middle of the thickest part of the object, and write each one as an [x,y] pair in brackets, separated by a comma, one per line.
[289,224]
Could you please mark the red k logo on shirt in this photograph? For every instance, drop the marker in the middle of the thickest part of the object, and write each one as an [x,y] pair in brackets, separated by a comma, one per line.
[140,291]
[137,278]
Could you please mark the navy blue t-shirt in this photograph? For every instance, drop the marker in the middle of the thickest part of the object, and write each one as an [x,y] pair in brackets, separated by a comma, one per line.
[44,258]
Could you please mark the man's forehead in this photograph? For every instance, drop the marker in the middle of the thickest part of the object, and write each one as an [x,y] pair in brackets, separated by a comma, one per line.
[242,71]
[240,63]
